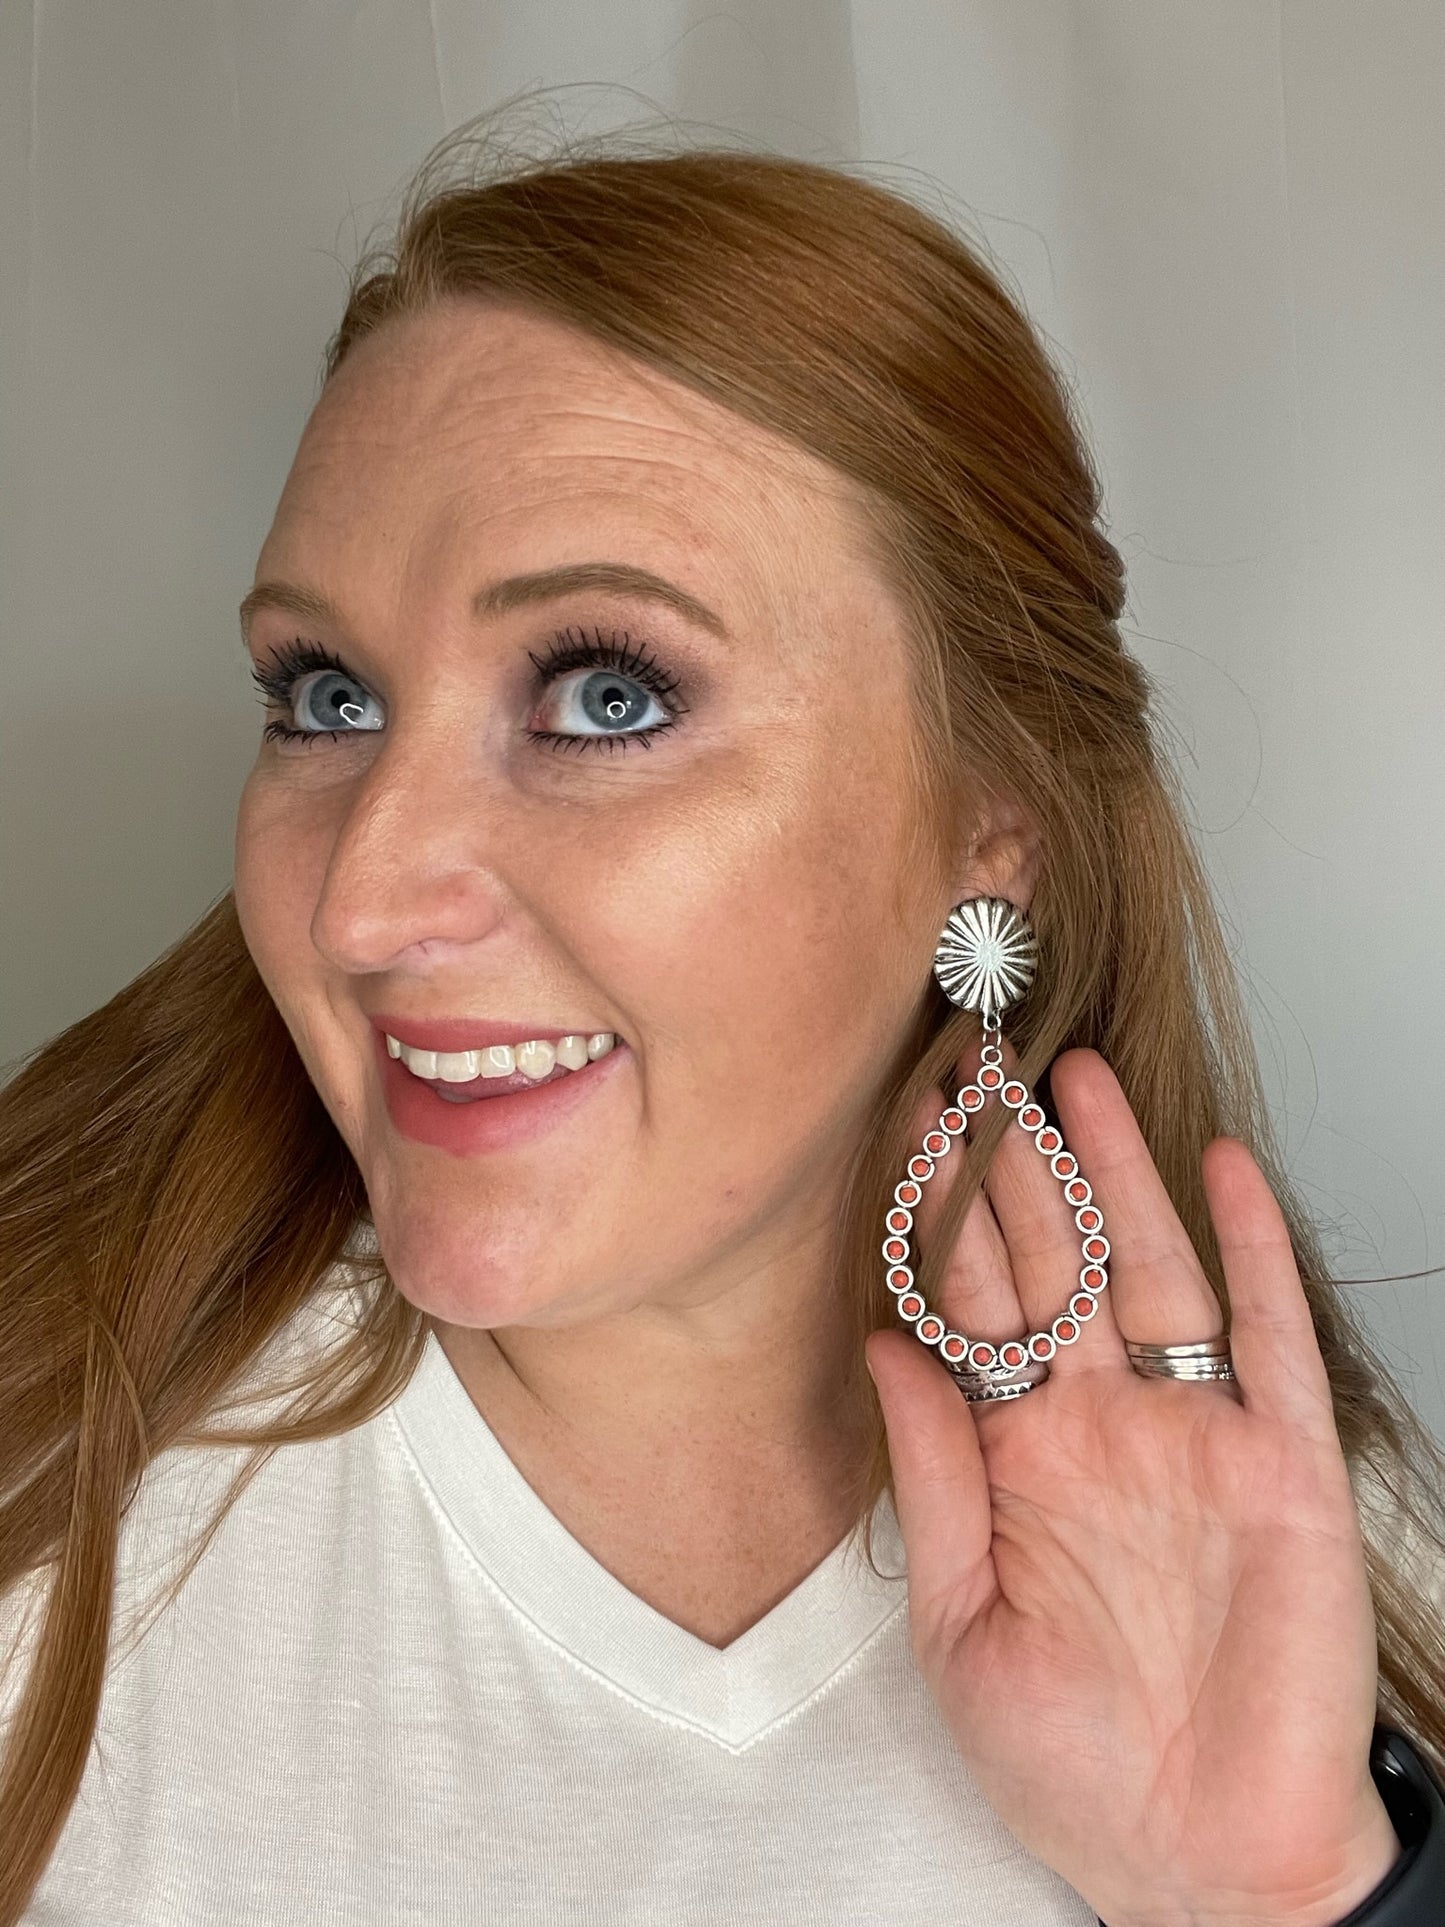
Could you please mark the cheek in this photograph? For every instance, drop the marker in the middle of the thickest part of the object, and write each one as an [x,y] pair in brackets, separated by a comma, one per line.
[761,933]
[279,866]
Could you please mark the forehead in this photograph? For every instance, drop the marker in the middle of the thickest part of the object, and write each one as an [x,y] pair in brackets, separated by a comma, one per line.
[486,438]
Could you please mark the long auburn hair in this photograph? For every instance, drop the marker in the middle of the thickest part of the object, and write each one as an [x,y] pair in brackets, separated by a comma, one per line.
[172,1191]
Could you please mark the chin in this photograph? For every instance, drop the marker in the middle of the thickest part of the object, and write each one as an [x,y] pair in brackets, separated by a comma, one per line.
[450,1265]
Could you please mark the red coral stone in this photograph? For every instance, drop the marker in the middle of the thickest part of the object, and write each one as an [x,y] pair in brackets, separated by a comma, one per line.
[908,1303]
[1012,1355]
[1048,1140]
[1088,1220]
[1078,1192]
[1094,1248]
[1066,1328]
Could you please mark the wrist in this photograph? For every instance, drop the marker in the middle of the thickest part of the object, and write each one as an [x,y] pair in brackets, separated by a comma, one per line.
[1374,1849]
[1408,1867]
[1367,1866]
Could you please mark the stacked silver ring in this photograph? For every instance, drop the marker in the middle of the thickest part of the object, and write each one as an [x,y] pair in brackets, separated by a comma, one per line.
[1206,1359]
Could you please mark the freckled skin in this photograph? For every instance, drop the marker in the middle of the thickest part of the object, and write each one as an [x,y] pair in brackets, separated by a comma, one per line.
[647,1289]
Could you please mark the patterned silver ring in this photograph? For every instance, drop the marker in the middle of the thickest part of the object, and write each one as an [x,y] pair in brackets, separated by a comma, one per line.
[979,1387]
[986,1394]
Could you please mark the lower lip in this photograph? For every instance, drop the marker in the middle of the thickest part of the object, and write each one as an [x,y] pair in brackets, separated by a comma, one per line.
[489,1123]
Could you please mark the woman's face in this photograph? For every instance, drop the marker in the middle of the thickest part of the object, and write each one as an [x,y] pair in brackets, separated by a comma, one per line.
[709,858]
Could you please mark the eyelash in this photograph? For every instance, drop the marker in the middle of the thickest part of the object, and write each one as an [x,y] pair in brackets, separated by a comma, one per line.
[568,649]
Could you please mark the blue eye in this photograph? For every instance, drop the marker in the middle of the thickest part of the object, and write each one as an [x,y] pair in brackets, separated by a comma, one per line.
[332,695]
[608,707]
[608,698]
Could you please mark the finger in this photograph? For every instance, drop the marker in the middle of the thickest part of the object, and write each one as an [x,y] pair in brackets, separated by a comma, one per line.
[1272,1338]
[976,1291]
[1160,1293]
[939,1483]
[1045,1238]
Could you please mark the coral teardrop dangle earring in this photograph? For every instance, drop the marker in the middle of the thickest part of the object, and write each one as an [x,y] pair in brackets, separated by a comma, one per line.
[986,960]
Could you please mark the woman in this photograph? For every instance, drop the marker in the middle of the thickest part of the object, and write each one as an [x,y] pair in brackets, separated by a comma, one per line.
[700,767]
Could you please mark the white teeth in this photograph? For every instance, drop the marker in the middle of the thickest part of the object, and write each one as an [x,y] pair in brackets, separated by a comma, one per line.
[455,1066]
[536,1058]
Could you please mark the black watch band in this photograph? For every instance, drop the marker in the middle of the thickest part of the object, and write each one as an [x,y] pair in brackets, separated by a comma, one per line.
[1412,1893]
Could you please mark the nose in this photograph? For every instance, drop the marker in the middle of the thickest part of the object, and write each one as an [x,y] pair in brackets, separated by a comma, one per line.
[414,869]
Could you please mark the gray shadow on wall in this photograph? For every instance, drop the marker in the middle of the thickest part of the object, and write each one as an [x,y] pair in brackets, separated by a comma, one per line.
[779,71]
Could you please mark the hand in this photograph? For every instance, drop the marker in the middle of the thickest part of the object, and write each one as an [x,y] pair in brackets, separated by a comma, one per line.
[1141,1605]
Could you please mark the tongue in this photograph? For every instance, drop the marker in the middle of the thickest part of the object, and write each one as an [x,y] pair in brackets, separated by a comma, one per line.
[480,1087]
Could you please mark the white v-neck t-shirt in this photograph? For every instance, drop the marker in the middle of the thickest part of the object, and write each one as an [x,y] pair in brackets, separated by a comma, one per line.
[395,1689]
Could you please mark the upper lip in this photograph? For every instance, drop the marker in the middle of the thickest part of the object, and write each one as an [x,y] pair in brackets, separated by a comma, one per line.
[471,1033]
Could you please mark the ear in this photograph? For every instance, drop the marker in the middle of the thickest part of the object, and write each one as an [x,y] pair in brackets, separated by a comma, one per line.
[1003,857]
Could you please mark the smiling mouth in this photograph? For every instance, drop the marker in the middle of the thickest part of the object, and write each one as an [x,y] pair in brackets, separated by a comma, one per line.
[498,1070]
[516,1083]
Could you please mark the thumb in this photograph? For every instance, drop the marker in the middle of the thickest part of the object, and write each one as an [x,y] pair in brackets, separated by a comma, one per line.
[939,1481]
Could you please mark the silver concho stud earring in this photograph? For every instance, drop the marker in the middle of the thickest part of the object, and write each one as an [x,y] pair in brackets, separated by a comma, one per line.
[986,960]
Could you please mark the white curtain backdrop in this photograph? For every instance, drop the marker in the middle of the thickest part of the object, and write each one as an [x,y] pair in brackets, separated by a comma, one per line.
[1227,216]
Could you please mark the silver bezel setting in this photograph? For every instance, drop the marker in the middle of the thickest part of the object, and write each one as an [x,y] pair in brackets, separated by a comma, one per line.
[976,1362]
[987,956]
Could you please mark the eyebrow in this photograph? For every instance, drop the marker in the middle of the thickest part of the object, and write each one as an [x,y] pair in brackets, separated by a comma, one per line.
[513,592]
